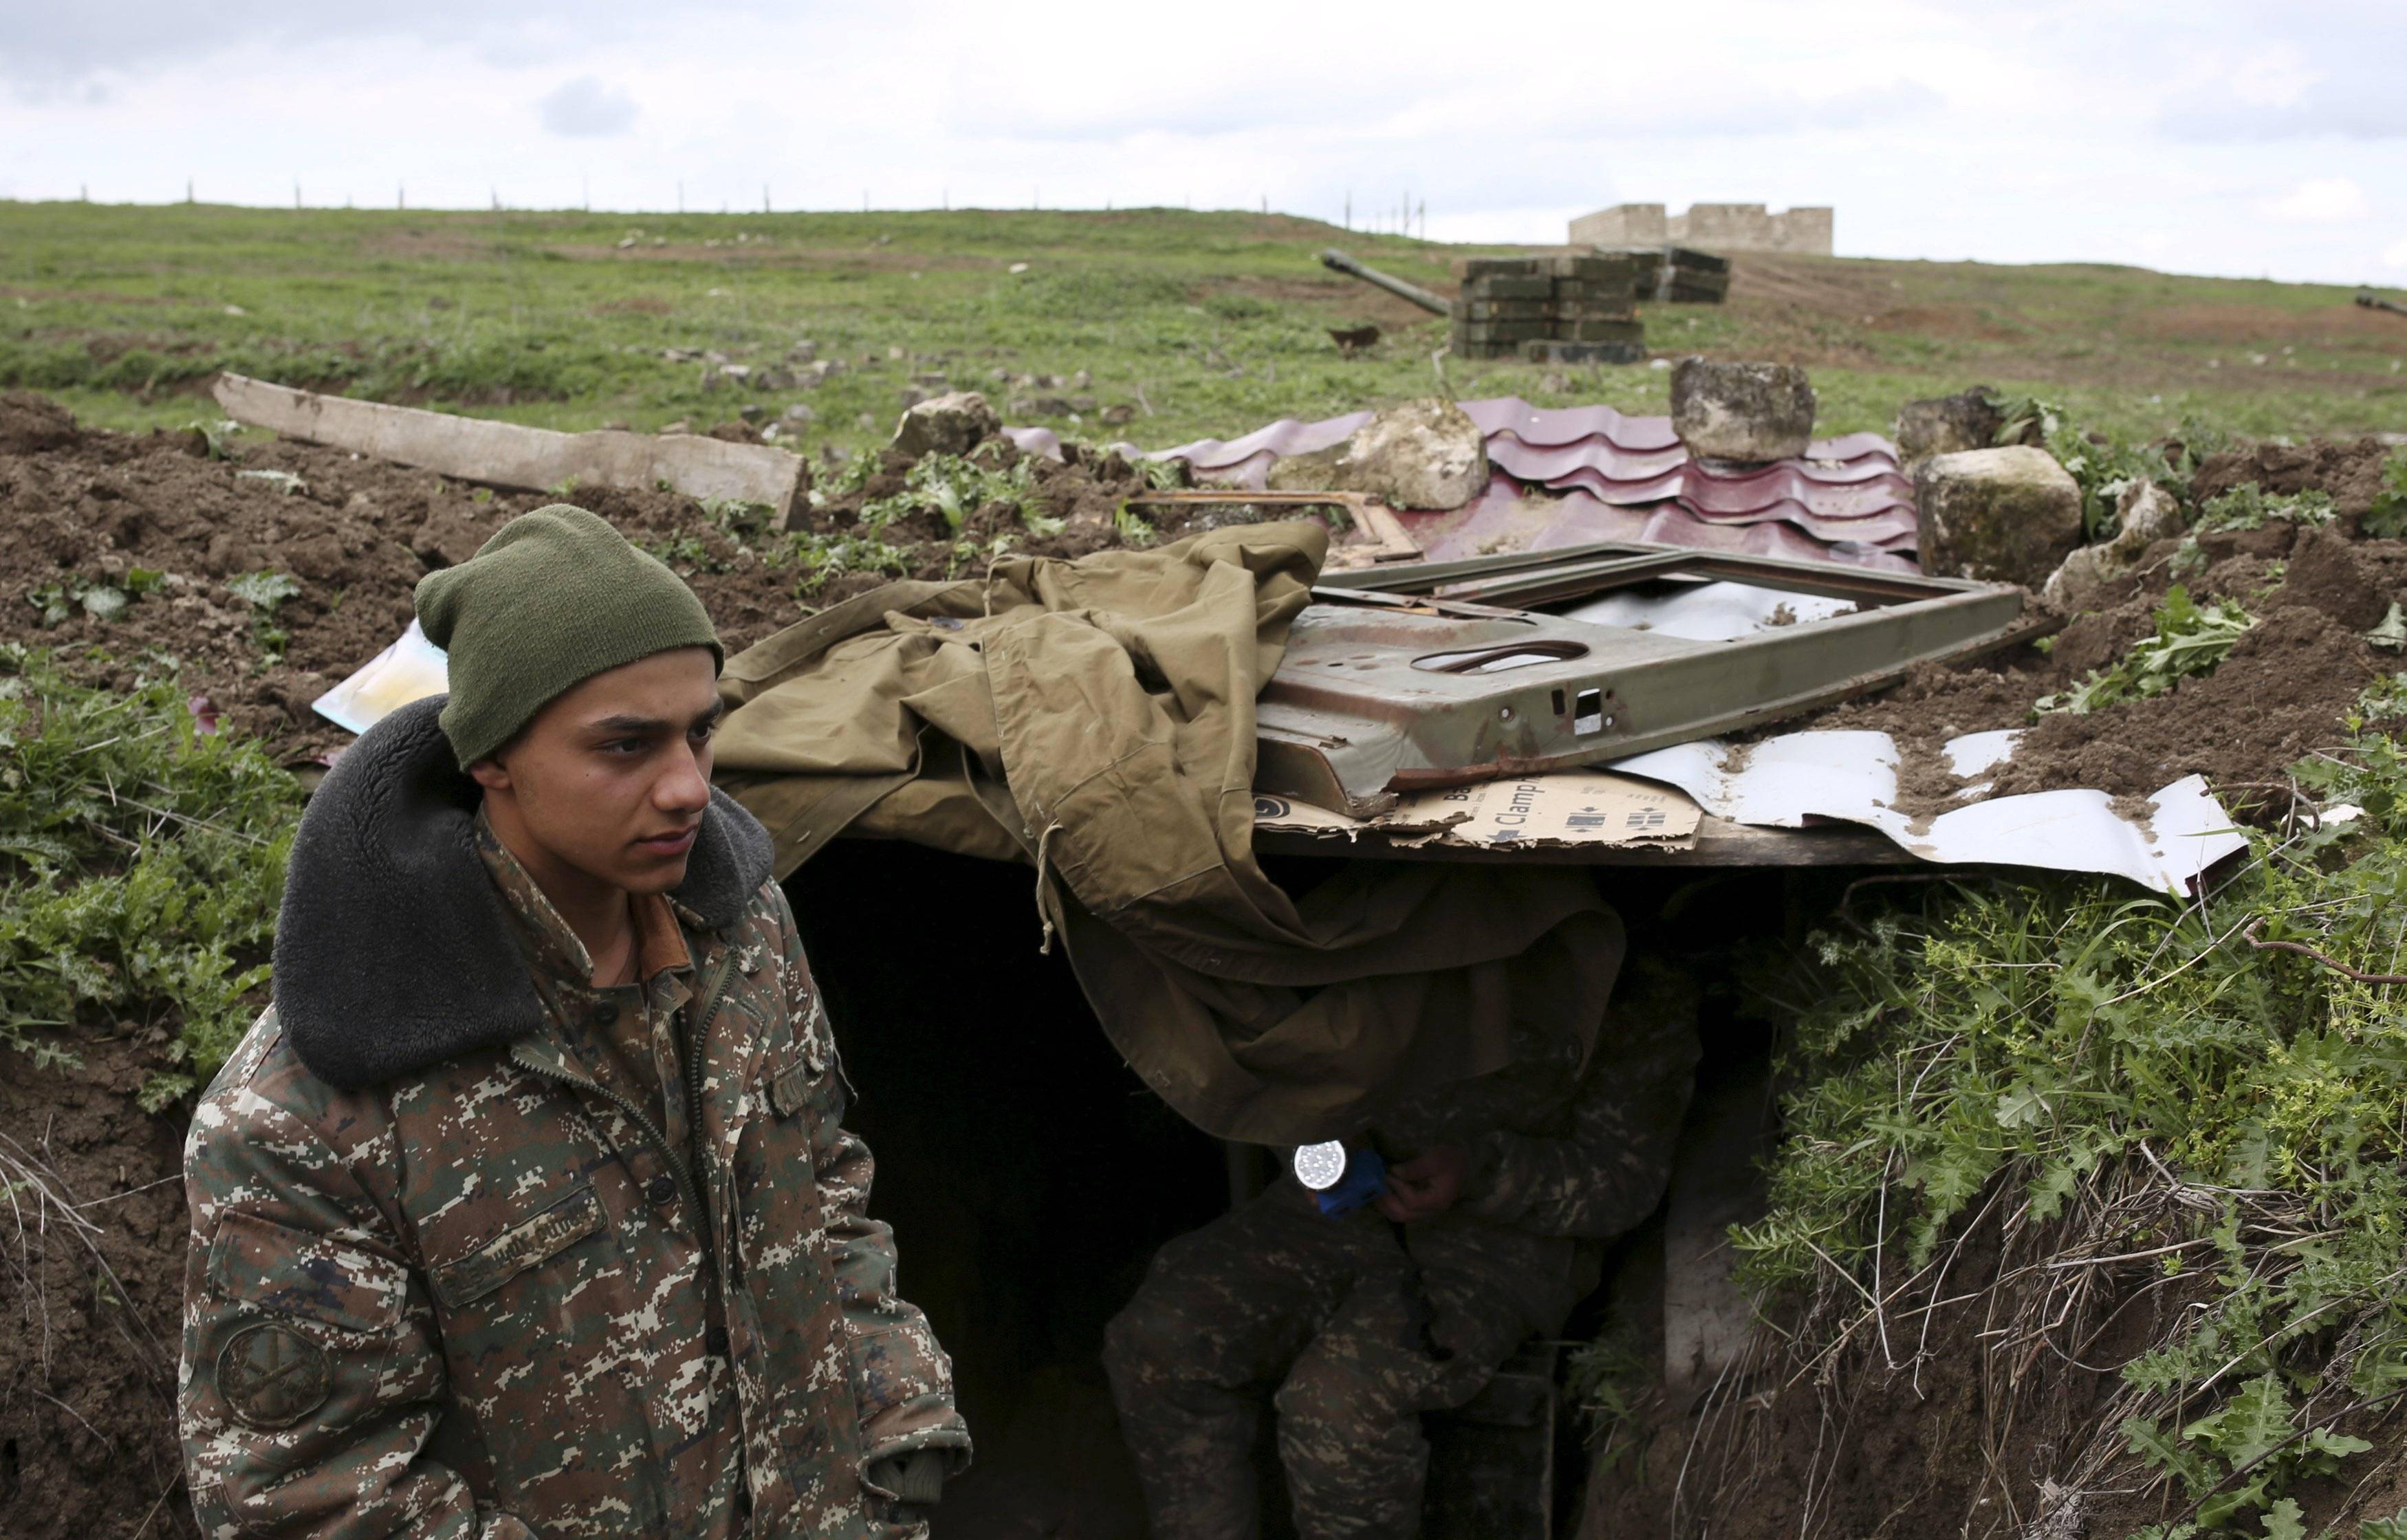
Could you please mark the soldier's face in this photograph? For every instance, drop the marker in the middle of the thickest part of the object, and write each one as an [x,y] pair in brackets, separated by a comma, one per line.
[610,780]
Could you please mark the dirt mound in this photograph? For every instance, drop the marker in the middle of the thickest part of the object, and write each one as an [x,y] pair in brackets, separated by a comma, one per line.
[30,423]
[2350,470]
[94,1242]
[118,551]
[2278,697]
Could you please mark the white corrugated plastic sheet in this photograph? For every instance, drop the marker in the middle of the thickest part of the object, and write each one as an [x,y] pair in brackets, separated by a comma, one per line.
[1787,781]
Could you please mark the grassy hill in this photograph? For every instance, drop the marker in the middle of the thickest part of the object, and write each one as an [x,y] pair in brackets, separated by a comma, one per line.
[1201,323]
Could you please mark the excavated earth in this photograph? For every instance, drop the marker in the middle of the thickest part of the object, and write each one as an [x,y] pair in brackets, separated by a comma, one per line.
[2276,699]
[83,506]
[87,1369]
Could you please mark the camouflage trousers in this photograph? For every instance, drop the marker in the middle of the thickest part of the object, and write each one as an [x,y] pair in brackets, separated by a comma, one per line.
[1332,1324]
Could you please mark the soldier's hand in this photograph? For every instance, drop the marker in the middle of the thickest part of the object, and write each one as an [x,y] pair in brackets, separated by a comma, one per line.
[1425,1186]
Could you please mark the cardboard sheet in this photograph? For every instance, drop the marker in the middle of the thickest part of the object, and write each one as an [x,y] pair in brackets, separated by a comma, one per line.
[1570,808]
[1784,781]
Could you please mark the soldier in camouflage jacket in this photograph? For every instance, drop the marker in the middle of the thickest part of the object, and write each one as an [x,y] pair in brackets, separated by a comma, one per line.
[1364,1322]
[463,1265]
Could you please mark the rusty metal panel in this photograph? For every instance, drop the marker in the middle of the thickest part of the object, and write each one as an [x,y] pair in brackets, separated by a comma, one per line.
[1437,673]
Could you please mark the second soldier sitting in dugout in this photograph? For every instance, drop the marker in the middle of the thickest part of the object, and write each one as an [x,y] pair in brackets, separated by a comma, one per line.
[1351,1326]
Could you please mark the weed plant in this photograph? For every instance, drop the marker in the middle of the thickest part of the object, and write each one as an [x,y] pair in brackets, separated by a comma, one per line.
[2106,464]
[141,863]
[2190,639]
[2130,1095]
[2247,506]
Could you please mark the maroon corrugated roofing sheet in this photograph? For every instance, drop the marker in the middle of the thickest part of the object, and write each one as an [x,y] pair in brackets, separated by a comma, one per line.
[1589,473]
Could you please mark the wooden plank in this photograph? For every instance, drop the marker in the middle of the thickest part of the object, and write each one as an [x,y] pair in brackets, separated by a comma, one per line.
[1718,842]
[502,453]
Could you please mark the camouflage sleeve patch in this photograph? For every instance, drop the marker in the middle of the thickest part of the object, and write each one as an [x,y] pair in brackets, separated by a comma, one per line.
[311,1376]
[272,1376]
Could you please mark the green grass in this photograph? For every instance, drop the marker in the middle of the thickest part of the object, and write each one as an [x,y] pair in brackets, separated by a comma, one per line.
[1204,323]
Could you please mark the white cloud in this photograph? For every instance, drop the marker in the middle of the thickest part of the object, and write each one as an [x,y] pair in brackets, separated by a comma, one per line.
[2275,78]
[585,109]
[2324,200]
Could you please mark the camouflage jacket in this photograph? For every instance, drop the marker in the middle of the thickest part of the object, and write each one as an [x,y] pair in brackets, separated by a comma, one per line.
[447,1277]
[1560,1154]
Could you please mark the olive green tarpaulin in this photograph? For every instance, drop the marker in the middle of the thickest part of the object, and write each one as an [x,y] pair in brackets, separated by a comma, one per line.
[1095,718]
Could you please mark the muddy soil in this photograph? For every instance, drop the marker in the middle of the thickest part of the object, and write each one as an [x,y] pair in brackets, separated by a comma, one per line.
[79,507]
[2276,699]
[93,1288]
[1944,1429]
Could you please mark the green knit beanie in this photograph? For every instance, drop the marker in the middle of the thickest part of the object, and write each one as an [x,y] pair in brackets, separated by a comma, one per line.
[556,597]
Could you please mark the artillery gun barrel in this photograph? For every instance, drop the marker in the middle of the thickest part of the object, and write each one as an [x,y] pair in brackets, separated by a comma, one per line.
[1339,262]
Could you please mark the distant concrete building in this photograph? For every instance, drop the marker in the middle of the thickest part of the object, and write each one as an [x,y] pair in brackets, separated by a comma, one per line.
[1710,227]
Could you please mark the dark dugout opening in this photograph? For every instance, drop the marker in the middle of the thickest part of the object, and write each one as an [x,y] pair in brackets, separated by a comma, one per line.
[1029,1175]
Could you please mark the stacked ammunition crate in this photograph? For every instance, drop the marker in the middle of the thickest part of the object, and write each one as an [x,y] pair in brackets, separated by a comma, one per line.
[1677,274]
[1690,276]
[1552,309]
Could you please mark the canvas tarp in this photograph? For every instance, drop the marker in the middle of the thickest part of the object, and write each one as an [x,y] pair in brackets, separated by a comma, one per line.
[1095,719]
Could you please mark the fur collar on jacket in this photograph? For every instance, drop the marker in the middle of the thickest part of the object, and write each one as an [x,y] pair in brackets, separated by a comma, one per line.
[393,950]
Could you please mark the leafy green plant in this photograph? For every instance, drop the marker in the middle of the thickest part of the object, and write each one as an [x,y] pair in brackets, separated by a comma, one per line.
[2391,634]
[685,554]
[967,554]
[265,593]
[141,862]
[216,435]
[826,557]
[835,479]
[2189,640]
[2254,1438]
[1612,1380]
[103,599]
[1164,475]
[736,517]
[1133,528]
[2392,1528]
[954,486]
[2386,519]
[2247,506]
[2385,700]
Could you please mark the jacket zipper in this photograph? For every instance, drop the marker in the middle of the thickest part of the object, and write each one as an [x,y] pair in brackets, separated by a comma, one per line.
[641,1118]
[694,1039]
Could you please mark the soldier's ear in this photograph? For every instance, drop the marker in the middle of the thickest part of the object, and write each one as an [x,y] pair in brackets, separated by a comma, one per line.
[490,774]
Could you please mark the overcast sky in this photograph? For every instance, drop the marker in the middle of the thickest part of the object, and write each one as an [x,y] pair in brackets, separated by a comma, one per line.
[2204,136]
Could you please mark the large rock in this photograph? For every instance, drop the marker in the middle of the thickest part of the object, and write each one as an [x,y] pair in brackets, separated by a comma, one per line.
[1748,412]
[950,424]
[2145,513]
[1947,425]
[1423,455]
[2007,516]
